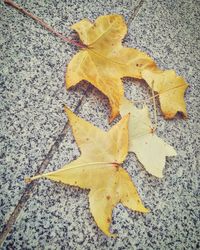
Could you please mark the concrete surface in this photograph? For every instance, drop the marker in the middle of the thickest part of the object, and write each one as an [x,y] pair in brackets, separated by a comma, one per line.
[35,136]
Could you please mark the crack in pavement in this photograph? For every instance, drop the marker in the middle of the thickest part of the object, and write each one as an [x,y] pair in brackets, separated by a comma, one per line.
[135,12]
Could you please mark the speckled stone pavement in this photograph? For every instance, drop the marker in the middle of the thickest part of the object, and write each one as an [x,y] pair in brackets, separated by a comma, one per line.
[35,135]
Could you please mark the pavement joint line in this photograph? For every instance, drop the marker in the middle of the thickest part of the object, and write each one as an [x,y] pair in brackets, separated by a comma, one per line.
[29,188]
[135,12]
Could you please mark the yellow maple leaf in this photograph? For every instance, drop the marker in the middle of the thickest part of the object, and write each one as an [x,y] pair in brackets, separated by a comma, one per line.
[150,150]
[98,169]
[105,61]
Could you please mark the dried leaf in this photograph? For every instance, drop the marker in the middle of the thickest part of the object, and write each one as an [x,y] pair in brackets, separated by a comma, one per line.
[150,150]
[105,61]
[98,169]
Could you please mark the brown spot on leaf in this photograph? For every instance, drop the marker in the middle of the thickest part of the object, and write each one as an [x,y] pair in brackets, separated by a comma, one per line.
[152,130]
[108,197]
[116,166]
[108,220]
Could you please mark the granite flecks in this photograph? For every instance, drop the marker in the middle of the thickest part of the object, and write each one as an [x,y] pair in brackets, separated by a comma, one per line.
[33,66]
[168,32]
[57,216]
[32,95]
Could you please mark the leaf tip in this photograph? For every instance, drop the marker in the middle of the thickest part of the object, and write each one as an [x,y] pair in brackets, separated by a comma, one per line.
[159,175]
[145,210]
[27,180]
[108,234]
[113,235]
[67,110]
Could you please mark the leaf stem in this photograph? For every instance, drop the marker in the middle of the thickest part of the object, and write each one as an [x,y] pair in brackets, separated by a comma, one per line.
[154,108]
[29,179]
[44,24]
